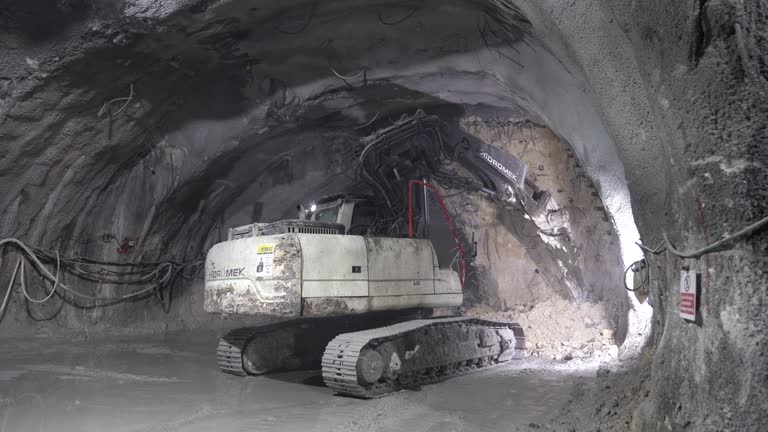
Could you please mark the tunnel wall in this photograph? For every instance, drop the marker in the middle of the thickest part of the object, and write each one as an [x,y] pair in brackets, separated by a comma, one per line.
[705,72]
[683,96]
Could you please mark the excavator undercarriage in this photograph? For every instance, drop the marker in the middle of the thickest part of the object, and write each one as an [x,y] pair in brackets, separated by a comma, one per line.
[376,361]
[294,344]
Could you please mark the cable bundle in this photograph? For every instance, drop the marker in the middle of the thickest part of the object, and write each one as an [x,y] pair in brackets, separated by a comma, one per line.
[155,275]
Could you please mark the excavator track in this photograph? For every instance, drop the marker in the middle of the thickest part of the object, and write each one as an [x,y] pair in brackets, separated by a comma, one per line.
[278,346]
[289,345]
[377,362]
[229,353]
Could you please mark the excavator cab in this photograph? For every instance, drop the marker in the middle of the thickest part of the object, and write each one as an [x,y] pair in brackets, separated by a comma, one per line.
[356,213]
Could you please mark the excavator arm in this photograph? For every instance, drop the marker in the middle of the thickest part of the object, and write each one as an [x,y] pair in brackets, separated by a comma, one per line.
[424,147]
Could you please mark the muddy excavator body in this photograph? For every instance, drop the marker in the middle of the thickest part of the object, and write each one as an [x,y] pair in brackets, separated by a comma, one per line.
[310,268]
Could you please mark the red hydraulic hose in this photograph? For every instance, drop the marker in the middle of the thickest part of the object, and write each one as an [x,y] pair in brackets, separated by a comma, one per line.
[447,218]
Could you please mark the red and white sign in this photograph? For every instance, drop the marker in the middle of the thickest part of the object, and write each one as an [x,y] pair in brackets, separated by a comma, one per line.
[688,294]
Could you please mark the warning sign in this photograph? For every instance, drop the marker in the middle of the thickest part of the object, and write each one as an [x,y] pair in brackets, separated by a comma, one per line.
[265,256]
[688,279]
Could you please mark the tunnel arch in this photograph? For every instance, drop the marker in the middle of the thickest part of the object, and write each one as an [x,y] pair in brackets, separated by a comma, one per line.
[619,85]
[162,168]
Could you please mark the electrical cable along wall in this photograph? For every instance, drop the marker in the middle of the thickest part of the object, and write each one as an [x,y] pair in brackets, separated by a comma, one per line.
[157,278]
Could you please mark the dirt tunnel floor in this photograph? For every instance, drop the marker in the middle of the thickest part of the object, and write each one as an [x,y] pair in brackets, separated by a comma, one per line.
[173,385]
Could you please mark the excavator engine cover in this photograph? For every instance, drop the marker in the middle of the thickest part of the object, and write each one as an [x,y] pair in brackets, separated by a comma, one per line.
[254,275]
[299,274]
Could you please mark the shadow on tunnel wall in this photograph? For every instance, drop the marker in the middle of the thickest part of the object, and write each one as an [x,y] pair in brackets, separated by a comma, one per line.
[37,21]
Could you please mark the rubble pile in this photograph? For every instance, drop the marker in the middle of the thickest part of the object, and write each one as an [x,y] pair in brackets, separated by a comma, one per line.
[558,330]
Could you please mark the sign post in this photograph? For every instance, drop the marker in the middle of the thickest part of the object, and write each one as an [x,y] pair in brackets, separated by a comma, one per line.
[688,285]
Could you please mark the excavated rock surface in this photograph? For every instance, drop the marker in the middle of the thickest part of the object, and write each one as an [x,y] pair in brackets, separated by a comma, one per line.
[558,330]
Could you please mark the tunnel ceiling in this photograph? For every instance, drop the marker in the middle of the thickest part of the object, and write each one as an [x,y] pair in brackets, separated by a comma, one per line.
[106,91]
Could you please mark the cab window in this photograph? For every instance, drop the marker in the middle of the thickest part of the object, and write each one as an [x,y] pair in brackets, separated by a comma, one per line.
[362,219]
[327,215]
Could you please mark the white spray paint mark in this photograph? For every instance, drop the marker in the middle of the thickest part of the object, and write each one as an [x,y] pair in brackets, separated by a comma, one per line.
[42,220]
[411,354]
[70,371]
[729,166]
[394,362]
[707,160]
[8,375]
[8,220]
[74,377]
[736,165]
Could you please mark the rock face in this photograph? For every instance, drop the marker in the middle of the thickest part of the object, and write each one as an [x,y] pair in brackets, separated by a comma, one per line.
[164,122]
[707,88]
[689,129]
[526,266]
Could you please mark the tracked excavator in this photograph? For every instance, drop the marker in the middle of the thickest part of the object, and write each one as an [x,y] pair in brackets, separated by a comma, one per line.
[356,280]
